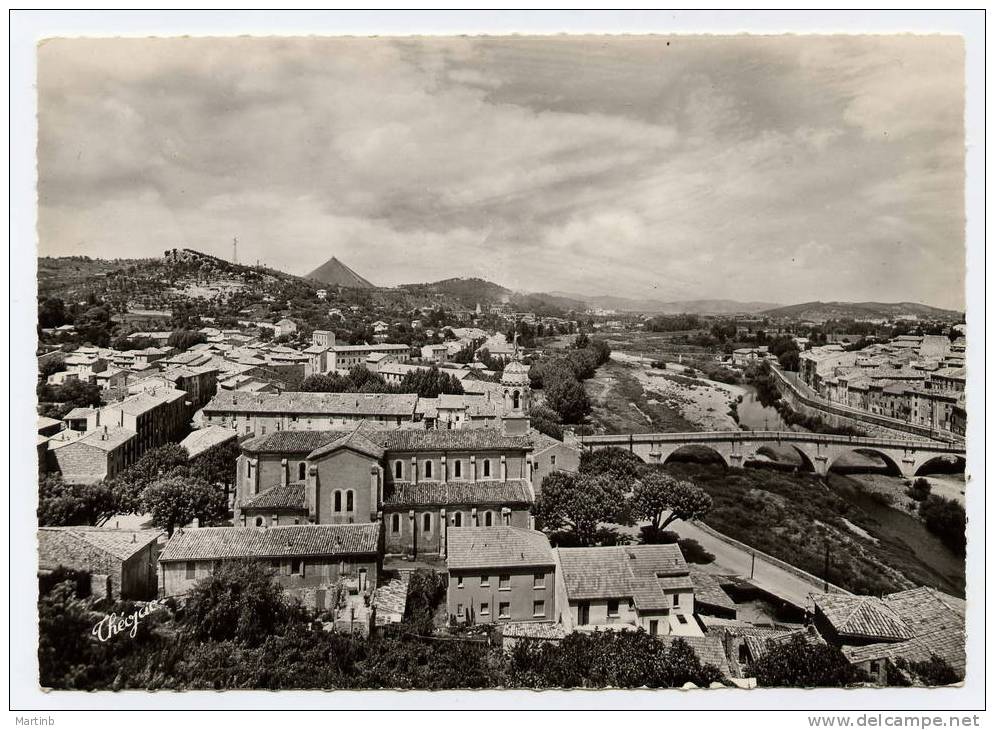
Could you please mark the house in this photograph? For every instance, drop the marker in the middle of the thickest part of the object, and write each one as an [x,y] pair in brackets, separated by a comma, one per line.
[434,353]
[299,556]
[912,625]
[322,294]
[156,417]
[500,574]
[94,456]
[76,419]
[625,587]
[49,426]
[126,559]
[203,440]
[285,327]
[550,455]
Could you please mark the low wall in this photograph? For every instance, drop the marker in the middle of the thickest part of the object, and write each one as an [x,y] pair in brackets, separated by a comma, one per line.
[818,584]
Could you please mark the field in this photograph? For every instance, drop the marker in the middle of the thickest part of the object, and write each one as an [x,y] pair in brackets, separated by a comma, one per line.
[620,405]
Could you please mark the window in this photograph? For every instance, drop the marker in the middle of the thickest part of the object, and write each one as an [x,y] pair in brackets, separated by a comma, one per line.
[654,627]
[297,566]
[485,581]
[259,522]
[459,610]
[681,618]
[395,523]
[428,469]
[458,519]
[875,668]
[458,469]
[677,600]
[538,580]
[262,430]
[459,581]
[485,609]
[743,656]
[275,564]
[338,502]
[487,467]
[301,472]
[488,519]
[504,582]
[552,460]
[613,609]
[398,469]
[538,608]
[191,569]
[348,501]
[427,522]
[504,610]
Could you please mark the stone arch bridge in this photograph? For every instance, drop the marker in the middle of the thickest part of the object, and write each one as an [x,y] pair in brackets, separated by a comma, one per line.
[818,452]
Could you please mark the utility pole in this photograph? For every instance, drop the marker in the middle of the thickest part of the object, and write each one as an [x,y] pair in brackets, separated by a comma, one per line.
[825,570]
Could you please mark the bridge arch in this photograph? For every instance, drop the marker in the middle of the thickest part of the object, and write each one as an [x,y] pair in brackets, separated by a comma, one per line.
[805,461]
[893,466]
[689,449]
[959,464]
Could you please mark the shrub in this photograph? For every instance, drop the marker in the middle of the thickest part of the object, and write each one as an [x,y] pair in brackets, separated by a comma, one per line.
[946,519]
[919,490]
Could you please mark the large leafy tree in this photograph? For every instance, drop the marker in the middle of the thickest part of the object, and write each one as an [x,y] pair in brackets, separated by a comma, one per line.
[801,663]
[174,501]
[579,503]
[61,504]
[657,493]
[239,601]
[567,397]
[613,461]
[546,420]
[163,461]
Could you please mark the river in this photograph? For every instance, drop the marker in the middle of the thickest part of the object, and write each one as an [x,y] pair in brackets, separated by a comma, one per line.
[755,416]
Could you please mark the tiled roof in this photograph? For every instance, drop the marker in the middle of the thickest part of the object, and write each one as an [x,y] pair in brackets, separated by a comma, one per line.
[288,496]
[203,439]
[463,439]
[290,442]
[760,644]
[76,413]
[636,571]
[936,622]
[544,630]
[216,543]
[359,439]
[391,404]
[107,440]
[708,590]
[471,548]
[862,617]
[708,649]
[121,544]
[513,491]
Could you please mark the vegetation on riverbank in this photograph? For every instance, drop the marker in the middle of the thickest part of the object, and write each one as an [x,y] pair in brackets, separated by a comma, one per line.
[762,379]
[797,517]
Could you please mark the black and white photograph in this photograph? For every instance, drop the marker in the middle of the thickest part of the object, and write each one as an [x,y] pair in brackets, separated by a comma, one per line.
[501,361]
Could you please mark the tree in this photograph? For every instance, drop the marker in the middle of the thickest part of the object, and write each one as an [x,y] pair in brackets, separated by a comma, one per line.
[947,520]
[185,339]
[163,461]
[51,312]
[547,421]
[175,501]
[568,398]
[618,463]
[581,341]
[239,602]
[50,366]
[801,663]
[578,504]
[217,465]
[658,493]
[61,504]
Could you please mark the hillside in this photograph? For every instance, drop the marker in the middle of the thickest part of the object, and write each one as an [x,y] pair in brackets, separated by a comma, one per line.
[821,311]
[467,291]
[334,273]
[656,306]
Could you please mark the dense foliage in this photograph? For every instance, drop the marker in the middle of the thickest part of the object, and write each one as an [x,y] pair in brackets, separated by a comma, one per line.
[947,519]
[801,663]
[61,504]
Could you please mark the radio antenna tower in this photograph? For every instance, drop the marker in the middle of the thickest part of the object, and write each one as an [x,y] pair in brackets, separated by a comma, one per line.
[234,250]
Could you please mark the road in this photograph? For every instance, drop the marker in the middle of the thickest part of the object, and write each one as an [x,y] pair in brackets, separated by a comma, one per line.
[731,559]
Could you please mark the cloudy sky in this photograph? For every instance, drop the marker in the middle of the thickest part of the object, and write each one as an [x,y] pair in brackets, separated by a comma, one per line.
[780,169]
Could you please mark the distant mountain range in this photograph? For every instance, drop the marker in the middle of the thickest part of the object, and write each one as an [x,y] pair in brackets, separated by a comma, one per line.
[821,311]
[334,273]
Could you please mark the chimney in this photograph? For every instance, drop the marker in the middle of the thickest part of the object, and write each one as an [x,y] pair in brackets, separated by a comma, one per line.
[103,434]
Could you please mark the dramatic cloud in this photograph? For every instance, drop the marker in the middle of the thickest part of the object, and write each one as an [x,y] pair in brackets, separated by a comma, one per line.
[775,168]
